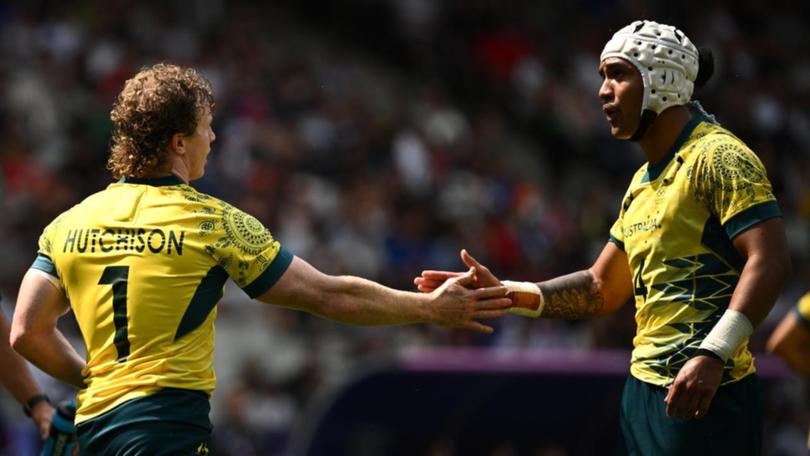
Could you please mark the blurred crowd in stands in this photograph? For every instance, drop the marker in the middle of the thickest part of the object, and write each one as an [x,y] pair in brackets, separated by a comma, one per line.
[378,139]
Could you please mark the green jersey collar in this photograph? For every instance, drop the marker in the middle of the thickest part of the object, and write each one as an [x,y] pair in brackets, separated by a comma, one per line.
[161,181]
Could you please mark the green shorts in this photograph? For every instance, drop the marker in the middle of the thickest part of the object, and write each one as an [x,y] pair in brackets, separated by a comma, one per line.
[169,422]
[733,425]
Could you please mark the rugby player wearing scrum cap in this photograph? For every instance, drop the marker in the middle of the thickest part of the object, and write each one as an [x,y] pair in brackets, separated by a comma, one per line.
[699,243]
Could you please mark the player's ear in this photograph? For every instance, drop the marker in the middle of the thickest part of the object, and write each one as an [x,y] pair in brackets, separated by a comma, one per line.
[177,144]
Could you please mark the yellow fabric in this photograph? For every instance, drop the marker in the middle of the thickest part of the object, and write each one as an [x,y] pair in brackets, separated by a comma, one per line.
[803,307]
[164,240]
[674,228]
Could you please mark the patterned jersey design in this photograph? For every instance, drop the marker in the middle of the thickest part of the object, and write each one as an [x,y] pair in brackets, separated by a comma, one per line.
[676,224]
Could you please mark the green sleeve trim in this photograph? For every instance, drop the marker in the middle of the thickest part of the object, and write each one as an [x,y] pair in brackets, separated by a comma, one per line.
[752,216]
[270,276]
[801,318]
[618,243]
[45,264]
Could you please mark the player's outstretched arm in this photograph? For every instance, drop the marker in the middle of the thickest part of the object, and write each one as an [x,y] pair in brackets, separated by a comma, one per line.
[34,334]
[359,301]
[600,290]
[16,377]
[791,341]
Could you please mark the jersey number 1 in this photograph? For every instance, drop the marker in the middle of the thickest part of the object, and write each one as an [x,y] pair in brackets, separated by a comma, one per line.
[118,276]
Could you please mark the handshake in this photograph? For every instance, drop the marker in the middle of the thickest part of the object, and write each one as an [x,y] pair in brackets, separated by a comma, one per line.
[490,297]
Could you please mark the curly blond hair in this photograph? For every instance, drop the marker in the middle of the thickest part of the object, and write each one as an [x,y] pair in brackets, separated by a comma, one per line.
[156,103]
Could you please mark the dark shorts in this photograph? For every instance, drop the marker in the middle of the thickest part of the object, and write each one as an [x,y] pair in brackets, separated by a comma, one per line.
[169,422]
[733,425]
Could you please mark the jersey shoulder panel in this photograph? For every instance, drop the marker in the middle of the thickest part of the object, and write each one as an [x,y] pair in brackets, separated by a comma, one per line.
[47,238]
[730,180]
[239,243]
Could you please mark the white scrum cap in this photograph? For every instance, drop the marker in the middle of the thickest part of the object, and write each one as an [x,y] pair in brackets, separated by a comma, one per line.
[665,57]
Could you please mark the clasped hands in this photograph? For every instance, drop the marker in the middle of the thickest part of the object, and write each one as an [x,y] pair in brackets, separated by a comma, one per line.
[461,298]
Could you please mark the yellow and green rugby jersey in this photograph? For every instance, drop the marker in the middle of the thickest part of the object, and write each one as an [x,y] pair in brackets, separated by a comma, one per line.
[143,264]
[676,224]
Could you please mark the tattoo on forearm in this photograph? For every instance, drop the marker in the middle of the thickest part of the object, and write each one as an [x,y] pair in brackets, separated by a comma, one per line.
[571,296]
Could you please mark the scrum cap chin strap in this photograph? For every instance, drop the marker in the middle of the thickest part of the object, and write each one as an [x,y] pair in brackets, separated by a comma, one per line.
[647,118]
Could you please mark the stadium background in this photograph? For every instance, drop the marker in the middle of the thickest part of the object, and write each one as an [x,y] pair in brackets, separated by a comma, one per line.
[377,138]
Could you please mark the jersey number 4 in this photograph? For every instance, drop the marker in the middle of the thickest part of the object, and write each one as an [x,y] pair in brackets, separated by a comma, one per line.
[118,276]
[638,283]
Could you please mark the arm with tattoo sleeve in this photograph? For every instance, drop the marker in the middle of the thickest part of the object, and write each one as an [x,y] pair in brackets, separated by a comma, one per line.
[572,296]
[600,290]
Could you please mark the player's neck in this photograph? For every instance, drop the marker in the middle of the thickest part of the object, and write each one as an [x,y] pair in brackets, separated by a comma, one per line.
[663,133]
[181,173]
[179,167]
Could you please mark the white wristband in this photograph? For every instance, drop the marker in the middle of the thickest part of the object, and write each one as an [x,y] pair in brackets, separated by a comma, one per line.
[526,298]
[729,332]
